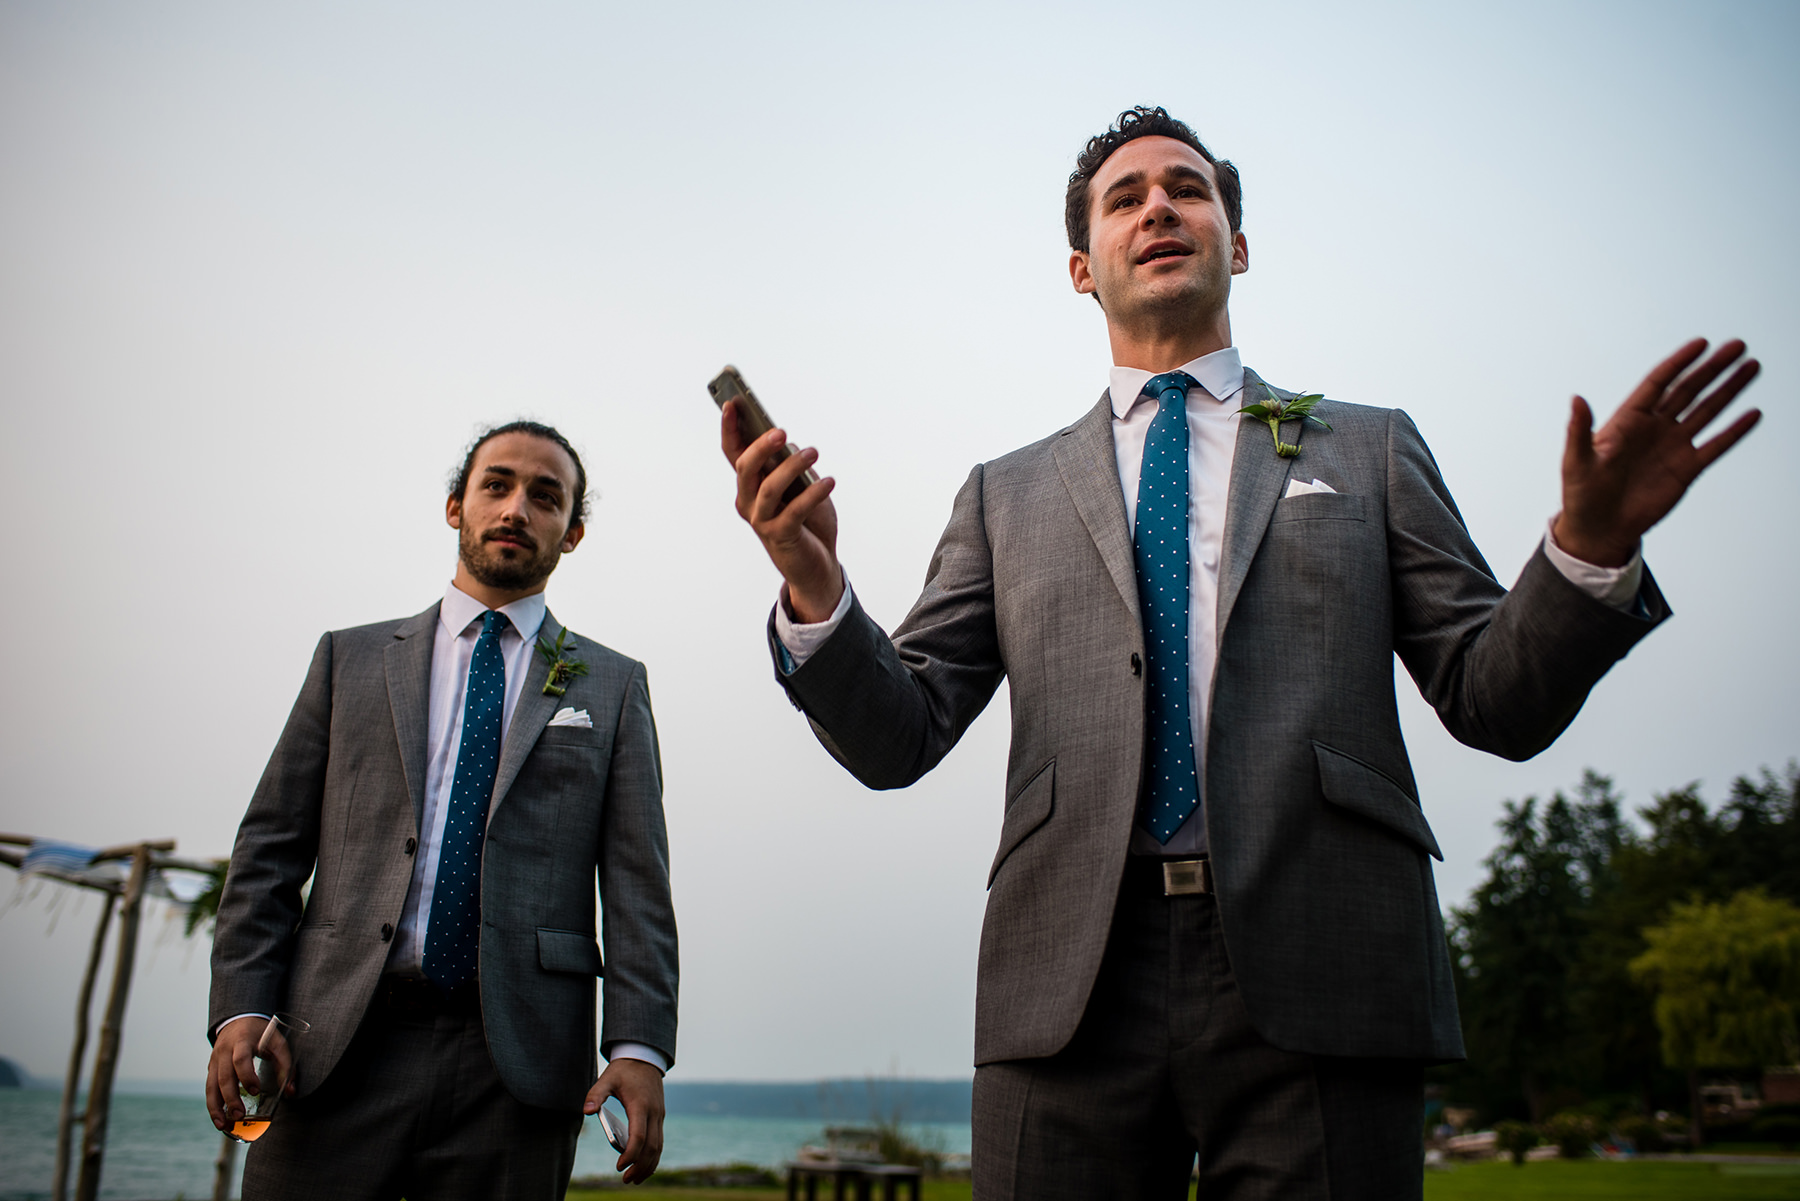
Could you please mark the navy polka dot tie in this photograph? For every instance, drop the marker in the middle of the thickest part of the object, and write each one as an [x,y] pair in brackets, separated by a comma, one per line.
[1160,546]
[453,938]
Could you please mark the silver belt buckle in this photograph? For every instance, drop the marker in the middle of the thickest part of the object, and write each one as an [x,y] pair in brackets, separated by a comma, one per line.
[1186,877]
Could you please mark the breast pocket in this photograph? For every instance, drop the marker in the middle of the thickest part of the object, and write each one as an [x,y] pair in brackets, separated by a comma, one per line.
[1320,506]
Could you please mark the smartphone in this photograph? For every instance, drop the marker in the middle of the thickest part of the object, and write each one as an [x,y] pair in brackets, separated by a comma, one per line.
[613,1126]
[753,420]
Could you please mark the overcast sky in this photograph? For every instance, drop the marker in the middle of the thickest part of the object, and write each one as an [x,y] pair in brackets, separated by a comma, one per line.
[264,269]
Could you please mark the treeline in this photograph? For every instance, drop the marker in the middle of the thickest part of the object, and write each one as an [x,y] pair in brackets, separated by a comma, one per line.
[1554,1015]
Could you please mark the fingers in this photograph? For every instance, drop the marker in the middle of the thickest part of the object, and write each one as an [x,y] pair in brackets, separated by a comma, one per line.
[1648,394]
[1578,447]
[651,1155]
[223,1101]
[754,463]
[631,1158]
[221,1092]
[1682,393]
[243,1064]
[771,494]
[598,1093]
[1712,403]
[731,438]
[1727,438]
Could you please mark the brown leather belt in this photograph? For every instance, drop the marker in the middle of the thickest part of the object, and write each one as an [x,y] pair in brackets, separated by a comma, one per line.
[415,997]
[1151,876]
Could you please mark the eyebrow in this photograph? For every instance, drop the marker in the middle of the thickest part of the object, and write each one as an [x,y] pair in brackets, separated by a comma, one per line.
[541,481]
[1132,179]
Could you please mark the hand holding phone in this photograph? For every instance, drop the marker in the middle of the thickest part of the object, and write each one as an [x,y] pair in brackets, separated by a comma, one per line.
[800,538]
[614,1126]
[754,421]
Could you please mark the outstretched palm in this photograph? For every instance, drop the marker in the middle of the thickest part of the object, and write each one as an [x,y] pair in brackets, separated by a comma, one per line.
[1623,479]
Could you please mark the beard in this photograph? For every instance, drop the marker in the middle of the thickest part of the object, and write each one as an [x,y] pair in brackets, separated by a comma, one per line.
[504,565]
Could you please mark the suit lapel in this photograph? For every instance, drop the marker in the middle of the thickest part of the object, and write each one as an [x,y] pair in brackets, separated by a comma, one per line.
[533,713]
[1258,475]
[1089,468]
[407,663]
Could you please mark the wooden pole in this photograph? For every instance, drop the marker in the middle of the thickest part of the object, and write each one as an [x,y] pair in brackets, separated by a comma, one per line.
[65,1118]
[106,1059]
[222,1168]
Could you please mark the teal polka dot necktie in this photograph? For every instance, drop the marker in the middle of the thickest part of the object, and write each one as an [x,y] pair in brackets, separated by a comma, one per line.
[1160,546]
[453,938]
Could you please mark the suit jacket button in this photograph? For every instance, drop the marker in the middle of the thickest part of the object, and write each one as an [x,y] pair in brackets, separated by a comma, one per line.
[387,931]
[412,844]
[1137,664]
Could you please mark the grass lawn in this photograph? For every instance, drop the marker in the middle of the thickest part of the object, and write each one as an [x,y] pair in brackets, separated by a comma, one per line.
[1548,1180]
[1556,1179]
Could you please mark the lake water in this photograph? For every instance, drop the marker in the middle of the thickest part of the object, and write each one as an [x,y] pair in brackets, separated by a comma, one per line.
[161,1147]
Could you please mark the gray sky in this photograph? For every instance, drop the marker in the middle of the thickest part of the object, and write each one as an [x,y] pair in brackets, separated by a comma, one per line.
[263,270]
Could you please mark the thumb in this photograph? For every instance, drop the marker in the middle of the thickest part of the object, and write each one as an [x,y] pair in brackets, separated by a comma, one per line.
[1578,450]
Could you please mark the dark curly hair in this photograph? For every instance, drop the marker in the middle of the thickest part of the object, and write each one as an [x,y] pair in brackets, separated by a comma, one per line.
[459,479]
[1142,122]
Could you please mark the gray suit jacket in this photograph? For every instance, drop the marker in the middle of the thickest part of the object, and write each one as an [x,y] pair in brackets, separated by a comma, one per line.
[341,802]
[1320,849]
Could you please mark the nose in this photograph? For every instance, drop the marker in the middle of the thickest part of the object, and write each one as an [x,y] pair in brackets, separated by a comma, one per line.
[1159,209]
[515,511]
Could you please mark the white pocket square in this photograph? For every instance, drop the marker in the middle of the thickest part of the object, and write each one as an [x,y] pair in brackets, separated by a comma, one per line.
[1299,488]
[573,717]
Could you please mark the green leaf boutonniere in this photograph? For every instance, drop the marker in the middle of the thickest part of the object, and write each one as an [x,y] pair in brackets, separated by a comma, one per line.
[1275,411]
[562,669]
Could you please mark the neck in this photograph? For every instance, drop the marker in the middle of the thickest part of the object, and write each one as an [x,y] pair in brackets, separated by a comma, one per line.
[1157,346]
[493,598]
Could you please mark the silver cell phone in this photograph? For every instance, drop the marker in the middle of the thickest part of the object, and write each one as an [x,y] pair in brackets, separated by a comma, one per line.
[614,1126]
[753,420]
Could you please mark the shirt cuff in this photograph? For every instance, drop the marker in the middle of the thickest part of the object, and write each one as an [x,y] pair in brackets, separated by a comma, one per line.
[649,1055]
[1614,586]
[220,1028]
[797,641]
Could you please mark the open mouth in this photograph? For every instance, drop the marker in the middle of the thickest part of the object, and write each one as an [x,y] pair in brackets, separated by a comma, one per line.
[1164,250]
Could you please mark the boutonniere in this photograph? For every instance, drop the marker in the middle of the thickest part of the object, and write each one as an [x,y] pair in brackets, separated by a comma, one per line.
[562,668]
[1275,411]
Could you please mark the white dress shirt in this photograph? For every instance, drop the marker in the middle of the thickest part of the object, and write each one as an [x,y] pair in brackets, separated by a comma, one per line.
[1212,443]
[452,649]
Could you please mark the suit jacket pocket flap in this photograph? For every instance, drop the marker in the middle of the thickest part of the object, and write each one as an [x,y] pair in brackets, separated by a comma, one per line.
[569,951]
[1352,784]
[1029,810]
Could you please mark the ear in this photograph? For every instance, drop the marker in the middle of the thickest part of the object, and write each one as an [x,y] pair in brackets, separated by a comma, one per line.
[1240,253]
[1079,275]
[572,539]
[453,512]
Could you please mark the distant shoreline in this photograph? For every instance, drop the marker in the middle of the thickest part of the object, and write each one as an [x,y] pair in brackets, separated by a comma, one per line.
[843,1099]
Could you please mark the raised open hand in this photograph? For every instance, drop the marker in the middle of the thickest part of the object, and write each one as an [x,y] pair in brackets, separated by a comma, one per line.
[1622,480]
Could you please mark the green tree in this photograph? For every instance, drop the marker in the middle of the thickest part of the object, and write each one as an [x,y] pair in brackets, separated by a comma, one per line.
[1519,944]
[1554,1016]
[1727,981]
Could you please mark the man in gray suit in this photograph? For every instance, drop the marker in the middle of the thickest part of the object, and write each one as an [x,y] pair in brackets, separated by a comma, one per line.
[455,785]
[1211,926]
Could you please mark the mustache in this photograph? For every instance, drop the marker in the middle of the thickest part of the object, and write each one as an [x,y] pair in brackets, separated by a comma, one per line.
[517,536]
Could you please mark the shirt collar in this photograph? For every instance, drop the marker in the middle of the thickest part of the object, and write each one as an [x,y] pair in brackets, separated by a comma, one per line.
[460,610]
[1221,373]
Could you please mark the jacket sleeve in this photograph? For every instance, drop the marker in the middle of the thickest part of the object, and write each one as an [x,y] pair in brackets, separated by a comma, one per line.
[889,709]
[276,850]
[637,914]
[1506,671]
